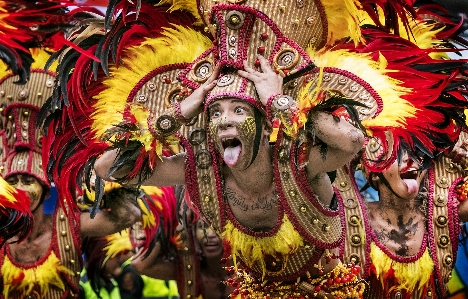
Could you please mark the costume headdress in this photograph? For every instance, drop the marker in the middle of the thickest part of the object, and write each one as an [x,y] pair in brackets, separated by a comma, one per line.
[25,27]
[279,31]
[146,53]
[32,31]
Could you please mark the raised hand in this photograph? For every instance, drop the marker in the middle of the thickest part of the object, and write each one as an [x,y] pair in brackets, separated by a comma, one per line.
[193,104]
[267,82]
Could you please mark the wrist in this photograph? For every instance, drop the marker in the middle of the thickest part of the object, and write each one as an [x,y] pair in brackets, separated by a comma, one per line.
[280,105]
[269,103]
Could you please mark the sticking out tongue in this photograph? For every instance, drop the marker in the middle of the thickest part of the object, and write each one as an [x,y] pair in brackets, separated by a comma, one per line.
[411,184]
[231,154]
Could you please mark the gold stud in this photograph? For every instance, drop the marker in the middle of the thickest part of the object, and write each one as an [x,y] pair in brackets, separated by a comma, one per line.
[296,22]
[39,94]
[189,282]
[62,217]
[67,247]
[326,227]
[234,20]
[442,220]
[72,261]
[448,260]
[189,296]
[354,219]
[303,209]
[64,233]
[25,113]
[315,221]
[282,7]
[429,293]
[189,267]
[207,198]
[9,97]
[186,249]
[292,193]
[10,116]
[356,239]
[343,184]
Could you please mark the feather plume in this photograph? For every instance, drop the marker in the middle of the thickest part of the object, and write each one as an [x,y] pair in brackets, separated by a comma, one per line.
[22,281]
[15,215]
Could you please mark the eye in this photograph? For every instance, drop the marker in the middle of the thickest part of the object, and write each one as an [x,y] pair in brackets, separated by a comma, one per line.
[239,109]
[12,181]
[215,113]
[28,181]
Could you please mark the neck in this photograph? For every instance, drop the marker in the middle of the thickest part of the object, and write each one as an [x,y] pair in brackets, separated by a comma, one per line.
[41,222]
[391,202]
[258,177]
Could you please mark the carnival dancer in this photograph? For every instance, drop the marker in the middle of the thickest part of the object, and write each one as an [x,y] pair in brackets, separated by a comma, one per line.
[251,193]
[406,238]
[272,204]
[47,263]
[199,256]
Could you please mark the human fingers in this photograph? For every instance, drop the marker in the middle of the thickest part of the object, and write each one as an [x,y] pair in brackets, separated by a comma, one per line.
[214,75]
[264,64]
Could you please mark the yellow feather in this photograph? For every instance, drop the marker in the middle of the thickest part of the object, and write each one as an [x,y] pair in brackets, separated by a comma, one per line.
[40,57]
[187,5]
[138,61]
[147,218]
[44,276]
[421,33]
[116,244]
[396,109]
[410,276]
[252,249]
[342,20]
[7,191]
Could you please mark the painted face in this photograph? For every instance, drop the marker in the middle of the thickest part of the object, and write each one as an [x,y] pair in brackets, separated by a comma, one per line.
[405,178]
[210,242]
[234,130]
[137,234]
[29,184]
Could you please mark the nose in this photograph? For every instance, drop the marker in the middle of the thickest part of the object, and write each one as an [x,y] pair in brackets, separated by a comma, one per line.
[20,186]
[224,124]
[210,234]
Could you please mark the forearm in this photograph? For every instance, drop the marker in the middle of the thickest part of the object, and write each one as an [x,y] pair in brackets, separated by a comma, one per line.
[338,134]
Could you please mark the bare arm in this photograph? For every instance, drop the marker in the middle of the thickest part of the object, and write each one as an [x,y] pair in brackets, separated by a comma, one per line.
[120,214]
[154,266]
[168,172]
[171,170]
[343,141]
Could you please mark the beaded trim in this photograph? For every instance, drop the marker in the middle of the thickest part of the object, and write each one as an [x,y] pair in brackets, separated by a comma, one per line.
[301,202]
[364,253]
[268,108]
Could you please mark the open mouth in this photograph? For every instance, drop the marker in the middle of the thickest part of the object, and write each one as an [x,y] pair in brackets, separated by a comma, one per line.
[410,174]
[230,142]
